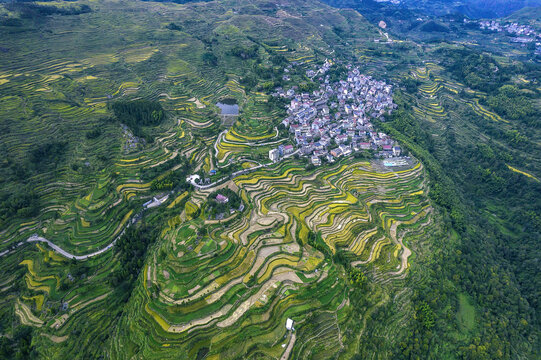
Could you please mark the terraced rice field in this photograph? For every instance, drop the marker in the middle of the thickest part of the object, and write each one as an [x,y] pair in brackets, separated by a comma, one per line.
[90,199]
[251,273]
[431,104]
[229,290]
[449,106]
[83,208]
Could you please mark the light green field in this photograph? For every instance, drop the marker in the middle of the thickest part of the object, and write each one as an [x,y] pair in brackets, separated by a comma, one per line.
[466,313]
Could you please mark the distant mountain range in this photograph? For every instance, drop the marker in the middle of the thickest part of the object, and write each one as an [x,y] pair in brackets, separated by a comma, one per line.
[471,8]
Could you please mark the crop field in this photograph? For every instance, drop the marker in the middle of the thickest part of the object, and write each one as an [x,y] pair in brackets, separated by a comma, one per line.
[231,290]
[207,287]
[51,92]
[446,104]
[435,90]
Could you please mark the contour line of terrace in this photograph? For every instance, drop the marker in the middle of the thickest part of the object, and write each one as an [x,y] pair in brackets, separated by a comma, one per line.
[191,179]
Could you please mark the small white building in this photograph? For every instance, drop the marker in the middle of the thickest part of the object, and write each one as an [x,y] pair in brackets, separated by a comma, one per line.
[155,202]
[289,324]
[397,150]
[274,155]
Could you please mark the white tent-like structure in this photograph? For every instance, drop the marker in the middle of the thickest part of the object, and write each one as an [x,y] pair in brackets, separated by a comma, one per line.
[289,324]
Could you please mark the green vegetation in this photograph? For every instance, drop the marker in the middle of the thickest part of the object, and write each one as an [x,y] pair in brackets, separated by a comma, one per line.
[48,153]
[466,313]
[31,10]
[433,26]
[233,202]
[478,71]
[436,259]
[131,248]
[514,105]
[475,146]
[138,113]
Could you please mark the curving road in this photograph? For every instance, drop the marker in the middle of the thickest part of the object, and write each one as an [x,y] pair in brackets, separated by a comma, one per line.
[58,249]
[240,172]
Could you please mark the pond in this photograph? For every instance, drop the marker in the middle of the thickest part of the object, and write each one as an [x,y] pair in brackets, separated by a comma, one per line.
[228,106]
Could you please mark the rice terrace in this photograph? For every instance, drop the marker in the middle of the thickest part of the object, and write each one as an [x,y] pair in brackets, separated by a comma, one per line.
[260,179]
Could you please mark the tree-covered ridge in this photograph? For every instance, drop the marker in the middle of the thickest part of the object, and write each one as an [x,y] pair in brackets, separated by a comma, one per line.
[478,71]
[491,204]
[514,104]
[37,11]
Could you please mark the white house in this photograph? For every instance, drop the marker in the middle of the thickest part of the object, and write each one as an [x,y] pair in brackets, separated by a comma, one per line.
[274,155]
[289,324]
[155,202]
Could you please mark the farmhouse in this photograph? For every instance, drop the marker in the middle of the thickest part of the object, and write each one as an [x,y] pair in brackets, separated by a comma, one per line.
[364,146]
[288,149]
[289,324]
[336,152]
[274,154]
[222,199]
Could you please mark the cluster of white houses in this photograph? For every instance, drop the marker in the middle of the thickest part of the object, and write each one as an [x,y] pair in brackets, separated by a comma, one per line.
[334,120]
[511,28]
[518,33]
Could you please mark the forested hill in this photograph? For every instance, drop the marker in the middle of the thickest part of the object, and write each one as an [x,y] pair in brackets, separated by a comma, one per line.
[493,206]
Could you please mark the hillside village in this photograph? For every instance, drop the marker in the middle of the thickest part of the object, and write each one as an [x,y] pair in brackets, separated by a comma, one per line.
[334,119]
[511,28]
[518,33]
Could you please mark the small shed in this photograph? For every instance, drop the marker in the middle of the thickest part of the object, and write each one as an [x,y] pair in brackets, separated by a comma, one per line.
[289,324]
[222,199]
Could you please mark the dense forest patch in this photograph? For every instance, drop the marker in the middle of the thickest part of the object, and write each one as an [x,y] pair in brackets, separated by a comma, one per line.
[138,113]
[478,71]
